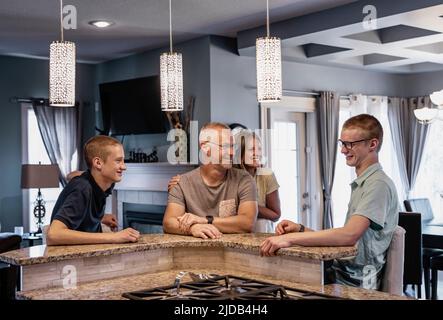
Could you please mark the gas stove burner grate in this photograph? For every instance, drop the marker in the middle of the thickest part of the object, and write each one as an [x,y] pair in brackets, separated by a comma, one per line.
[226,287]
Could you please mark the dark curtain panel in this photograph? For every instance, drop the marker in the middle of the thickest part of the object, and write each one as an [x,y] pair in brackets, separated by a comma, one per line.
[408,135]
[60,130]
[328,112]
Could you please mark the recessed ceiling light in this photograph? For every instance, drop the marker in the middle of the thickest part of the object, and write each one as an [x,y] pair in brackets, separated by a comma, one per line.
[101,23]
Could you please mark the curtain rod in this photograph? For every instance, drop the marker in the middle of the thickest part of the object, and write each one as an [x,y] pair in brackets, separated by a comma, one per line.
[298,92]
[25,100]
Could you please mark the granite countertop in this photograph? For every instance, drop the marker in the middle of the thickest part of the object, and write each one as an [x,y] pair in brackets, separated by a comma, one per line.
[112,289]
[251,242]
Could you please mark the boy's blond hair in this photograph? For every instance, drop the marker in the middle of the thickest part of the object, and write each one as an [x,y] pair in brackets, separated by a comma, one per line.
[98,147]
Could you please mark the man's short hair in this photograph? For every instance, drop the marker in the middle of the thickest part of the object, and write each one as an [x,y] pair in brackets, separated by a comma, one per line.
[98,147]
[211,126]
[369,124]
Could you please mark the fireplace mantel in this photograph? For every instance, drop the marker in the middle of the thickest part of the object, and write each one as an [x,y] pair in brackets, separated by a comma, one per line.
[145,183]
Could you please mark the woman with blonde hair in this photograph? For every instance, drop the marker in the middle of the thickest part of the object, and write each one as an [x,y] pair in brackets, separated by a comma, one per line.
[248,156]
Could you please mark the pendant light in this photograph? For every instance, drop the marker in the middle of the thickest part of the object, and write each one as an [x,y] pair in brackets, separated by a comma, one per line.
[268,56]
[428,115]
[171,76]
[62,70]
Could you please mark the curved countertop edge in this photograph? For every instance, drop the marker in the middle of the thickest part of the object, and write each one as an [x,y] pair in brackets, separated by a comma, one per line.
[248,242]
[112,289]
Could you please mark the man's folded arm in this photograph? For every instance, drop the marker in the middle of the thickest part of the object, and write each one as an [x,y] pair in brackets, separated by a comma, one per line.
[170,219]
[243,222]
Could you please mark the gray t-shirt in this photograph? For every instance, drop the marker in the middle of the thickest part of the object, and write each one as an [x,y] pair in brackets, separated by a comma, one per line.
[373,196]
[221,201]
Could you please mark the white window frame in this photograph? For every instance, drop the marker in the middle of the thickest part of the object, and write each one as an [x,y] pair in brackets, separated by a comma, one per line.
[290,104]
[25,192]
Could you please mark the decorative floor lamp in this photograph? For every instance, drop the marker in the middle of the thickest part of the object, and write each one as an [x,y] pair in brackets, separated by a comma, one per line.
[40,176]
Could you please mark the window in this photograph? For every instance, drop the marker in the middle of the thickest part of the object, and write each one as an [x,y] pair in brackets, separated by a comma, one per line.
[285,164]
[344,175]
[429,183]
[33,153]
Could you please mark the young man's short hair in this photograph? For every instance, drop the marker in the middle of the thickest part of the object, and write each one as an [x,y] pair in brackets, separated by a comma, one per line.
[369,124]
[98,147]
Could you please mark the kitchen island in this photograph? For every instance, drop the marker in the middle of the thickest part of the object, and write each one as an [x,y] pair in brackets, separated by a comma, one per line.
[107,271]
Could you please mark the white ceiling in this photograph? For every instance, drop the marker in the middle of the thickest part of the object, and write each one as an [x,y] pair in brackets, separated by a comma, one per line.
[27,27]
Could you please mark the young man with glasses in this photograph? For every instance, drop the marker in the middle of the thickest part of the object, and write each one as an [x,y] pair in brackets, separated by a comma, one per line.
[371,218]
[214,198]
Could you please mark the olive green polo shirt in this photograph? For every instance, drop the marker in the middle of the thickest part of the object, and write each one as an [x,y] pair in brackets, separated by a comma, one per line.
[373,196]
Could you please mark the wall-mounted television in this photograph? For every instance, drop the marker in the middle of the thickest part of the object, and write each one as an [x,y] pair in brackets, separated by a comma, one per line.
[132,107]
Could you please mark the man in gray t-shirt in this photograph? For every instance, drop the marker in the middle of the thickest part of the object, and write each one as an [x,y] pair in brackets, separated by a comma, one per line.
[214,198]
[372,214]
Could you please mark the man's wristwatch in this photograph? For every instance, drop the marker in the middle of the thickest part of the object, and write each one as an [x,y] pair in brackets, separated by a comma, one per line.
[210,219]
[302,228]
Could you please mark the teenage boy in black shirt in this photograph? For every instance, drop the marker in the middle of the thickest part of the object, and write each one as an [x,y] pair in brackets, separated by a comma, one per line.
[77,215]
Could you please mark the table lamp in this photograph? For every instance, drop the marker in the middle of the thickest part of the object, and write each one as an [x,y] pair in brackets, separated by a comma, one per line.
[40,176]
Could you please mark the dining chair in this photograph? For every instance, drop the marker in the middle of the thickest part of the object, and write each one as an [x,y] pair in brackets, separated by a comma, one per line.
[413,268]
[436,265]
[423,206]
[394,268]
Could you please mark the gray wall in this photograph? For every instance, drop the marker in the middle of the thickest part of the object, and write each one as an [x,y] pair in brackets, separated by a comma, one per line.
[195,77]
[213,72]
[421,84]
[25,78]
[231,73]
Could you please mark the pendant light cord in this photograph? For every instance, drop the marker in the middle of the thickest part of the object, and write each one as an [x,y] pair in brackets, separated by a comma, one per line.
[61,19]
[170,26]
[267,18]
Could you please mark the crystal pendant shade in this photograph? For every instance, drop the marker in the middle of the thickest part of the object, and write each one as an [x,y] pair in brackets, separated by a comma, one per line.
[171,81]
[269,82]
[62,74]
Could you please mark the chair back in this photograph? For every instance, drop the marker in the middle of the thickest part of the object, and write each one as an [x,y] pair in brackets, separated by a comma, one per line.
[393,274]
[422,205]
[9,274]
[9,241]
[413,266]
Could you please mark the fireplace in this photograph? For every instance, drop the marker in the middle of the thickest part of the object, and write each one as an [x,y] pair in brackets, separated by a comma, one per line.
[144,184]
[144,218]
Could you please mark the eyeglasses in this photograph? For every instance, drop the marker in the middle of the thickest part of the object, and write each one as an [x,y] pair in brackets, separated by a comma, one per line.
[223,146]
[349,144]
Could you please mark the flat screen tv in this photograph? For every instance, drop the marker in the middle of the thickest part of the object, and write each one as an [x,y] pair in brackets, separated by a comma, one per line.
[132,107]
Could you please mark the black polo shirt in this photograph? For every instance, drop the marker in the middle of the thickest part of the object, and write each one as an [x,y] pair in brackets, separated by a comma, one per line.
[81,204]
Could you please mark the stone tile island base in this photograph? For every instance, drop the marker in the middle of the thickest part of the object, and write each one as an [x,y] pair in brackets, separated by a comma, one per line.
[230,260]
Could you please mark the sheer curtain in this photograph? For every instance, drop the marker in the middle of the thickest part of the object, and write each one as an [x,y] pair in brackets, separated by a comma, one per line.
[60,130]
[378,107]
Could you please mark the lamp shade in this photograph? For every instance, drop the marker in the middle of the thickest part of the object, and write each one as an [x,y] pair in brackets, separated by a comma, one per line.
[437,98]
[426,115]
[62,74]
[269,82]
[40,176]
[171,81]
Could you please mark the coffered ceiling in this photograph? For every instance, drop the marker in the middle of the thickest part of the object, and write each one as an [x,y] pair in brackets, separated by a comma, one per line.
[406,37]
